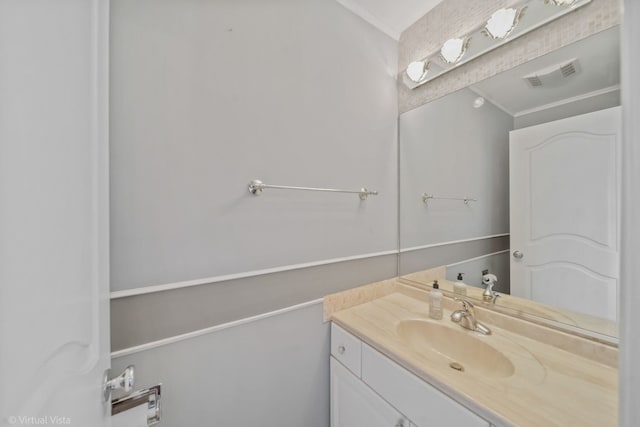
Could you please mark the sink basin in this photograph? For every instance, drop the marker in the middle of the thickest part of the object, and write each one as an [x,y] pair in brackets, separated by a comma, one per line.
[463,350]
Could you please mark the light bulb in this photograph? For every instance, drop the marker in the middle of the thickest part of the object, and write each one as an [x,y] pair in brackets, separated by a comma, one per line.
[478,102]
[453,49]
[501,23]
[417,70]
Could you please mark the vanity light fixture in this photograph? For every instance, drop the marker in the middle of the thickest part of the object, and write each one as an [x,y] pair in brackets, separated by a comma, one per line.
[478,102]
[504,26]
[453,49]
[418,70]
[503,22]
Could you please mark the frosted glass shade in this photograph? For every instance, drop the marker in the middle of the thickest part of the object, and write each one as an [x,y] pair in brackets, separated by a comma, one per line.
[501,23]
[417,70]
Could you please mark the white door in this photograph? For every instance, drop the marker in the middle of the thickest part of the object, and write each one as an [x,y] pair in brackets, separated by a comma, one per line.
[354,404]
[564,191]
[54,333]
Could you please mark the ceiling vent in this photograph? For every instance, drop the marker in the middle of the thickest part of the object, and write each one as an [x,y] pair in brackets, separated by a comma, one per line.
[534,80]
[554,75]
[568,69]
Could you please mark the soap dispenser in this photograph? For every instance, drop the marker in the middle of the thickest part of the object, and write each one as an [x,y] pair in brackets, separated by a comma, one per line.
[435,302]
[459,288]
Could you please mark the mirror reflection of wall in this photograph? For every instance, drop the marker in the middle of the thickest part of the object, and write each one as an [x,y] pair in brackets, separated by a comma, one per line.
[458,146]
[451,149]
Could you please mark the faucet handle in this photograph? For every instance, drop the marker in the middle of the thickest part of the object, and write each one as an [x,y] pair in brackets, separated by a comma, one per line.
[466,304]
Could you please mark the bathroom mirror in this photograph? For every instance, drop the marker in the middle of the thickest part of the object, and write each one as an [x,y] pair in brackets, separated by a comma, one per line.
[465,195]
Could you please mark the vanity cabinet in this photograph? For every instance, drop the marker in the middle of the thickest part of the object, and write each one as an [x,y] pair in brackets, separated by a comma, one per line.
[353,404]
[375,391]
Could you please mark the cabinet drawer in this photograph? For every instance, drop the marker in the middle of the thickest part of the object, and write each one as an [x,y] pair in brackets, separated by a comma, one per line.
[421,402]
[346,348]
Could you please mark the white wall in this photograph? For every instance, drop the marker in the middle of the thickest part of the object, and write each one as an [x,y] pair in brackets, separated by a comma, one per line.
[207,95]
[269,373]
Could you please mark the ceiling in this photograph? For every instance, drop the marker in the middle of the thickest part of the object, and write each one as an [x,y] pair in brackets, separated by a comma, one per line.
[390,16]
[599,71]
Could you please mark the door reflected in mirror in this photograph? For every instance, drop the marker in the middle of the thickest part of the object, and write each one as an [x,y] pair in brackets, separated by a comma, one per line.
[537,147]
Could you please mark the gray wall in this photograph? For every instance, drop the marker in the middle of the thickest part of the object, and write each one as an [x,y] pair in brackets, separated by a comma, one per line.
[145,318]
[205,96]
[449,148]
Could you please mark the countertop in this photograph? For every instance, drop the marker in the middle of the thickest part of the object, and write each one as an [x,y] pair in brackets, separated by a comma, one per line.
[549,386]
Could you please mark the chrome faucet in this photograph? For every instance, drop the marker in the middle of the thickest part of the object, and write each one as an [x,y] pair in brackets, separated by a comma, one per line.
[489,295]
[467,318]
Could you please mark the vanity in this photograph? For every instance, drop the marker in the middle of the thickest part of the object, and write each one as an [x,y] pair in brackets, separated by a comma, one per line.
[392,365]
[365,384]
[496,180]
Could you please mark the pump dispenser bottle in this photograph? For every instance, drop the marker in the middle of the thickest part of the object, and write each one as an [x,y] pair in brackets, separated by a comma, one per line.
[459,288]
[435,302]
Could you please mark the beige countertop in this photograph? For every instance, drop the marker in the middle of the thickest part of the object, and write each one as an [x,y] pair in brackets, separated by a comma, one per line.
[546,386]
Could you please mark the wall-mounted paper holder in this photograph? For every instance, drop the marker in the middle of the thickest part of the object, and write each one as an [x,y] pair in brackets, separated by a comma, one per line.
[148,396]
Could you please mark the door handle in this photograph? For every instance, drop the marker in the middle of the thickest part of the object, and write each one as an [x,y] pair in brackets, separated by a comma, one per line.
[518,255]
[124,381]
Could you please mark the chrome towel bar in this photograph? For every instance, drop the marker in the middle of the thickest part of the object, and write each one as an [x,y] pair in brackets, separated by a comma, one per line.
[256,187]
[426,197]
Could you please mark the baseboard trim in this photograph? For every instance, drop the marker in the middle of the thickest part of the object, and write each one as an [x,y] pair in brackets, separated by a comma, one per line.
[452,242]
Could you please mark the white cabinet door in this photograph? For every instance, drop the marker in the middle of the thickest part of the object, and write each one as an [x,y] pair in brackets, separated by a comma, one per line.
[353,404]
[54,265]
[564,199]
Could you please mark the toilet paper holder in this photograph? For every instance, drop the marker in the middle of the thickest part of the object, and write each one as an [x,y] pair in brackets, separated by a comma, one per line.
[148,396]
